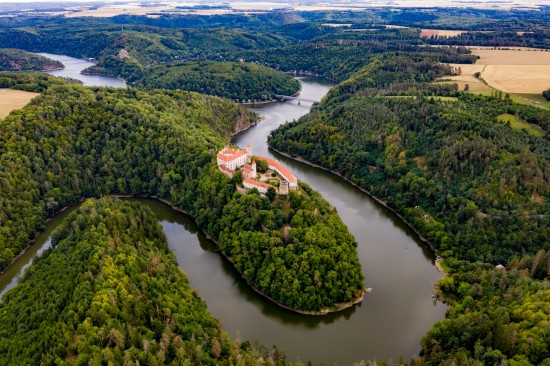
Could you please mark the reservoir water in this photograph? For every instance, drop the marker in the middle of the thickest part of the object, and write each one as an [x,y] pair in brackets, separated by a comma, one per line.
[73,67]
[400,268]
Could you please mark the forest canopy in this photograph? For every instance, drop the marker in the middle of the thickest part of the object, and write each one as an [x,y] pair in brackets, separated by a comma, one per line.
[73,142]
[18,60]
[114,294]
[234,80]
[456,166]
[475,187]
[152,57]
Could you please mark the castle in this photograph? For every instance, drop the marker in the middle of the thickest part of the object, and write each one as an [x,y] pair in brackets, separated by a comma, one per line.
[230,160]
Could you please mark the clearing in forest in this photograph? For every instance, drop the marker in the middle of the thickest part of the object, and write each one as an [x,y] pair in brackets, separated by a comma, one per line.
[13,99]
[518,124]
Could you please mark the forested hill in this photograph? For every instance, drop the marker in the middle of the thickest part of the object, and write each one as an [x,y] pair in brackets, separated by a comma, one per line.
[33,82]
[148,45]
[110,291]
[136,53]
[475,187]
[339,56]
[497,316]
[17,60]
[73,142]
[233,80]
[227,79]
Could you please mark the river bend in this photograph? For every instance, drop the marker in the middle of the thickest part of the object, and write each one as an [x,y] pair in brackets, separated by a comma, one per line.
[397,265]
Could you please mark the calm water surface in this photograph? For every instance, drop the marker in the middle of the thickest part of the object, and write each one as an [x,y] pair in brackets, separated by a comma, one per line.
[10,277]
[391,320]
[73,67]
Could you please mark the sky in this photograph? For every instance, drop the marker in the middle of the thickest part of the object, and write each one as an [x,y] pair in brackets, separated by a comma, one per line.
[347,2]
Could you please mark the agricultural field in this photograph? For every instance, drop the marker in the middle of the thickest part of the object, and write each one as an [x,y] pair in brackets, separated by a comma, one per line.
[13,99]
[525,79]
[466,79]
[511,56]
[522,72]
[427,33]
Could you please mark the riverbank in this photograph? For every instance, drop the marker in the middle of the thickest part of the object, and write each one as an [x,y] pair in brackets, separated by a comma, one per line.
[440,265]
[377,199]
[264,102]
[91,73]
[53,69]
[324,311]
[37,233]
[258,103]
[311,74]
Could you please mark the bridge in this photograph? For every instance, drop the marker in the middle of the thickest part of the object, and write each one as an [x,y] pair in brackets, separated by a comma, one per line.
[284,98]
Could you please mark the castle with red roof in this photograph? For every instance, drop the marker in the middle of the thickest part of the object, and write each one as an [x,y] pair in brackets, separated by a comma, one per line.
[230,160]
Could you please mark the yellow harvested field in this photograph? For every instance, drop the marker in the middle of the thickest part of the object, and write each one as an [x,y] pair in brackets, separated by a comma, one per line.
[427,33]
[516,56]
[13,99]
[467,77]
[518,70]
[528,79]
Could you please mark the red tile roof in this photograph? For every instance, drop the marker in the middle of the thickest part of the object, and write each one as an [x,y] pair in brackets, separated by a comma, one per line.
[224,167]
[230,154]
[257,183]
[284,171]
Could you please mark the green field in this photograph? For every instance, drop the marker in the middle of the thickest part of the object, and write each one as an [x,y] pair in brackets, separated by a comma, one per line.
[518,124]
[446,99]
[533,99]
[478,87]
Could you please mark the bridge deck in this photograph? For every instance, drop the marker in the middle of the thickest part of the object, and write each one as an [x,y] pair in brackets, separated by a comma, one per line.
[289,97]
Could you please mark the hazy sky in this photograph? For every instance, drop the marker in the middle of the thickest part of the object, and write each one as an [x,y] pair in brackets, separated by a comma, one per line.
[226,1]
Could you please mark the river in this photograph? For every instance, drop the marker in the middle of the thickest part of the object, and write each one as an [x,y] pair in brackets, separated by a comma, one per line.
[397,265]
[73,67]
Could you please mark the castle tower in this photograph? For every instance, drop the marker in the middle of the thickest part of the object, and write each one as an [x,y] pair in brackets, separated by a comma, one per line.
[254,172]
[248,152]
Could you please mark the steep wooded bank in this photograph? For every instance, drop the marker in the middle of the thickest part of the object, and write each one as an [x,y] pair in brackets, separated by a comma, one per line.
[97,38]
[17,60]
[339,56]
[475,187]
[74,142]
[496,315]
[110,291]
[472,184]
